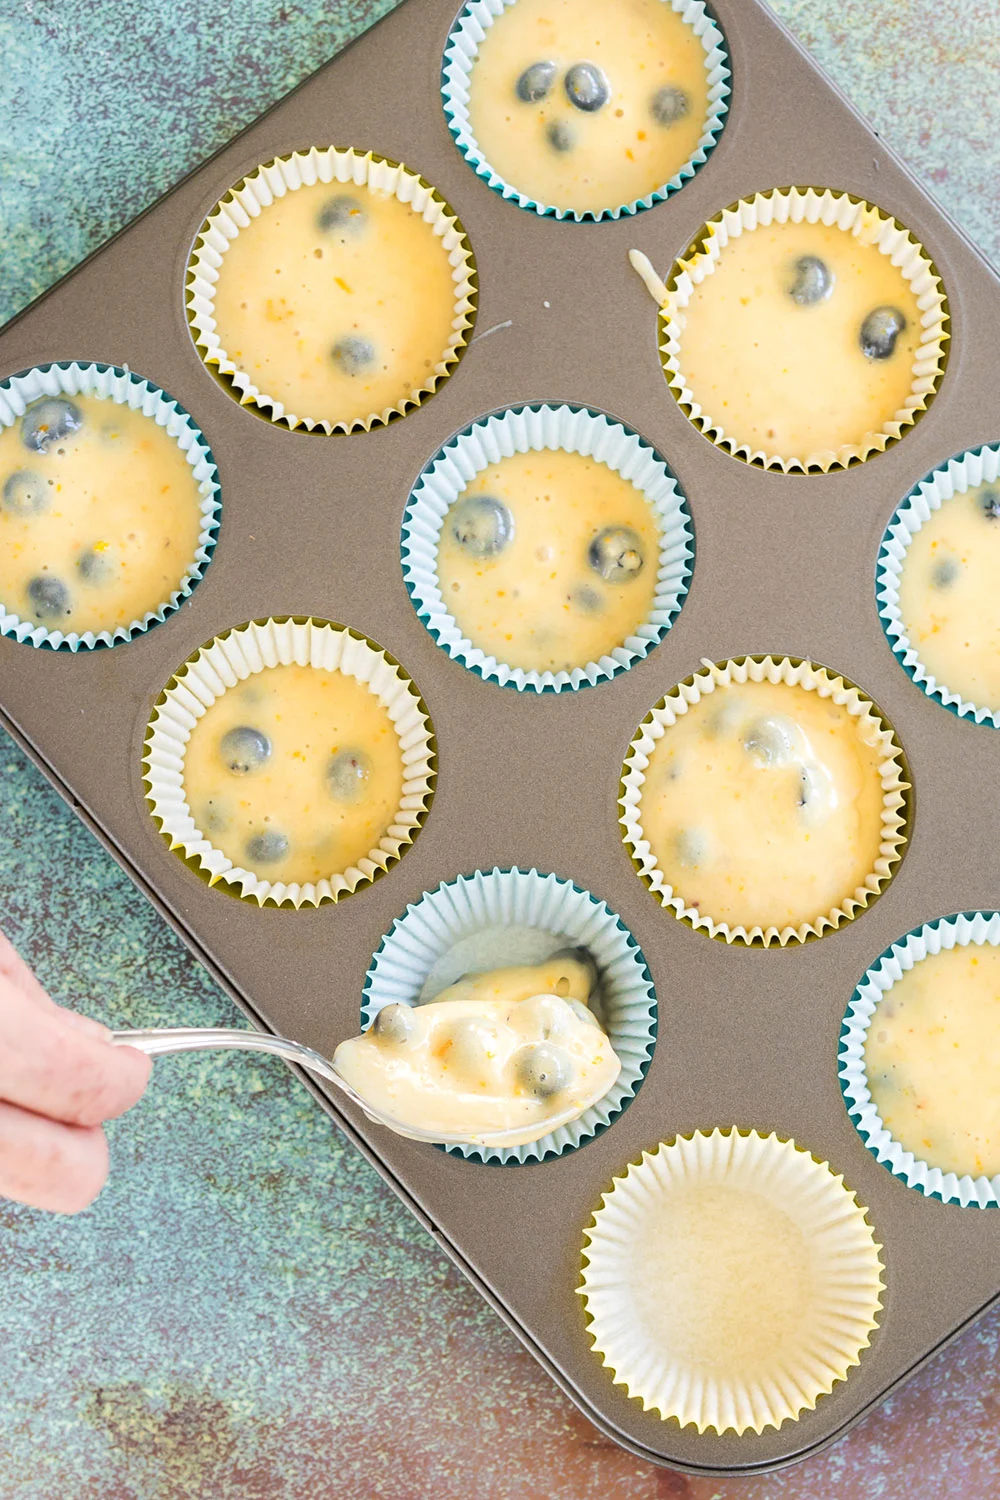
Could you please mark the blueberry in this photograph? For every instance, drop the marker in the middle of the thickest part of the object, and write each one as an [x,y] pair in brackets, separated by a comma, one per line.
[772,740]
[585,958]
[49,597]
[343,216]
[354,356]
[816,793]
[535,83]
[25,494]
[244,750]
[691,847]
[616,553]
[215,818]
[879,332]
[945,571]
[482,525]
[347,774]
[560,135]
[811,281]
[587,599]
[587,87]
[49,421]
[266,848]
[989,502]
[394,1023]
[95,567]
[542,1070]
[669,104]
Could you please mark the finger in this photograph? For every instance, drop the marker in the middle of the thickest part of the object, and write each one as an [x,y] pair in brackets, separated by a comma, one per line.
[14,968]
[53,1166]
[55,1068]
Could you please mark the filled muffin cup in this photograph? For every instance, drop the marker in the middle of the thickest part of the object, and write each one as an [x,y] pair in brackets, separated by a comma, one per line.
[678,1371]
[499,918]
[803,206]
[960,474]
[896,800]
[536,428]
[965,929]
[462,50]
[231,659]
[254,195]
[122,388]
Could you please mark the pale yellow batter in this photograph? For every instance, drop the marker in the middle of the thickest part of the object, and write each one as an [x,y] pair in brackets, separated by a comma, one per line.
[639,117]
[549,560]
[295,774]
[762,805]
[949,595]
[495,1053]
[773,353]
[337,300]
[100,515]
[932,1059]
[724,1279]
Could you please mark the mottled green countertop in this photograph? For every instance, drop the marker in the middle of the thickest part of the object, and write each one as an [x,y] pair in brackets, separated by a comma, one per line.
[247,1311]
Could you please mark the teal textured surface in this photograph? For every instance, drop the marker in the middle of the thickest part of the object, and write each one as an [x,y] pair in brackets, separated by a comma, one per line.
[247,1311]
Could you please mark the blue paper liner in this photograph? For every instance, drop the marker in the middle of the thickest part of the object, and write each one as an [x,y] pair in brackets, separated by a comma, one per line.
[537,427]
[123,388]
[967,470]
[460,54]
[510,916]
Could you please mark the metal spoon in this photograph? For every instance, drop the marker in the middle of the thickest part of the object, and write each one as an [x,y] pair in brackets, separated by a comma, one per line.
[156,1043]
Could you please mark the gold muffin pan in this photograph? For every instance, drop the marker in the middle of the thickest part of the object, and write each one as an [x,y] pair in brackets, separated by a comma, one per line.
[784,565]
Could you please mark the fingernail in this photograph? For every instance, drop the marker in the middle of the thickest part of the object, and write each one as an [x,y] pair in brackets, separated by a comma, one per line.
[85,1024]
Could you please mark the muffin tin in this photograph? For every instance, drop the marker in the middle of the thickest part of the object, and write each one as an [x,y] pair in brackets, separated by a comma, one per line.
[785,564]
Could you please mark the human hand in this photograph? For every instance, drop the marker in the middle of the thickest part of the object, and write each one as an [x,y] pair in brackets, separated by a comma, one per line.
[60,1079]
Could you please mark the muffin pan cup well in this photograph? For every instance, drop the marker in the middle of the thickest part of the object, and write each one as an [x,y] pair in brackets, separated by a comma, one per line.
[312,528]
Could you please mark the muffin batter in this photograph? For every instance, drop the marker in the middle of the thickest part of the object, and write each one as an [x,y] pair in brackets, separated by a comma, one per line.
[932,1059]
[549,560]
[762,805]
[801,341]
[100,515]
[491,1054]
[586,106]
[949,597]
[337,300]
[295,774]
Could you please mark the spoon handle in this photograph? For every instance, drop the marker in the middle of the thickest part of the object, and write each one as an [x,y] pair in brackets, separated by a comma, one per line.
[156,1043]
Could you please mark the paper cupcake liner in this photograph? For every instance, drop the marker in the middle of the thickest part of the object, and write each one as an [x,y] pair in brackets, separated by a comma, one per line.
[523,429]
[521,916]
[976,927]
[232,658]
[962,473]
[251,196]
[846,1264]
[798,205]
[462,49]
[896,803]
[123,388]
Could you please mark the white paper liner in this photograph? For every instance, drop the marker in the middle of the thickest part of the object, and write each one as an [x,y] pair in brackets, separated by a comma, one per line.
[871,226]
[980,927]
[846,1262]
[524,429]
[123,388]
[462,49]
[232,658]
[254,194]
[497,917]
[810,677]
[966,471]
